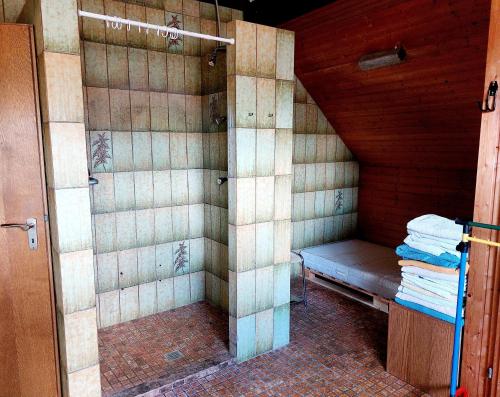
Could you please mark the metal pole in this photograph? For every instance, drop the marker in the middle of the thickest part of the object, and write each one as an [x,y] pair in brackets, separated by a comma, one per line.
[149,26]
[457,339]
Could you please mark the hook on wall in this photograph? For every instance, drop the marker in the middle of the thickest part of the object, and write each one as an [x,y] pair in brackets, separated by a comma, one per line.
[490,100]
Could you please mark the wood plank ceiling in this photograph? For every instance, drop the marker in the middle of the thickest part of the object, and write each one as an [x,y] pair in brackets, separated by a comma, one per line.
[414,127]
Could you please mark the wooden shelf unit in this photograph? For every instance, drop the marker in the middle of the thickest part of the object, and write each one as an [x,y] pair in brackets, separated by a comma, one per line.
[419,350]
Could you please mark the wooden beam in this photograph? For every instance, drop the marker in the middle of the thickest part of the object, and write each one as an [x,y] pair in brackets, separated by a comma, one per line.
[484,277]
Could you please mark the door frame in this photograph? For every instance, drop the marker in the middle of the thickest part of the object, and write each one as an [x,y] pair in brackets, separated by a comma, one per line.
[484,275]
[46,225]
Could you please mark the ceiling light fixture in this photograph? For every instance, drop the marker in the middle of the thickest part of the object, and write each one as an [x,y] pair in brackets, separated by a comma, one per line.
[382,59]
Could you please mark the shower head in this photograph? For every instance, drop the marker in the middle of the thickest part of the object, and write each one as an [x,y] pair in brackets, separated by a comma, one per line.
[212,59]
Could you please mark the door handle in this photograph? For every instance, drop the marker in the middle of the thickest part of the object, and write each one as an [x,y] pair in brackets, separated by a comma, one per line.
[23,226]
[30,227]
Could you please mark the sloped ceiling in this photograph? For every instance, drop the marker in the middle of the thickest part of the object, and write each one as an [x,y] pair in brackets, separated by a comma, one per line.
[422,112]
[414,127]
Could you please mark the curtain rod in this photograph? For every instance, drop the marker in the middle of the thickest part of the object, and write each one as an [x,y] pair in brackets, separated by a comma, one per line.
[147,26]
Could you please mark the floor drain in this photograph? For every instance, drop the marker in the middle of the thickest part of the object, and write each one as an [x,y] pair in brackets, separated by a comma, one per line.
[171,356]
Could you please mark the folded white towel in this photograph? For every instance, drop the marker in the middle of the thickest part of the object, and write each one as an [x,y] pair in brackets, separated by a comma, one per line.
[437,226]
[430,275]
[437,293]
[452,303]
[442,309]
[445,241]
[435,287]
[431,245]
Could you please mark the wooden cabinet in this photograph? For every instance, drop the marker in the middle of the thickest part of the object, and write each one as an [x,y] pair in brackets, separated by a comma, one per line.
[419,350]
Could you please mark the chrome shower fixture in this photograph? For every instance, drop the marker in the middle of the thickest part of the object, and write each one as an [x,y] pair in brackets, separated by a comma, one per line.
[220,119]
[212,59]
[221,180]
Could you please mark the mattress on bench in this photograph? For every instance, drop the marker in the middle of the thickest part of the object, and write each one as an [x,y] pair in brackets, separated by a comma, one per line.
[371,267]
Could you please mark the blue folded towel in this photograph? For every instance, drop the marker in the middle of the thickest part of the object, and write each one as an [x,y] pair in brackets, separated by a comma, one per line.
[444,260]
[426,310]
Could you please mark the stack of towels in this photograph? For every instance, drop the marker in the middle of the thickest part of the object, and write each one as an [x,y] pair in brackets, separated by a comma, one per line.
[429,267]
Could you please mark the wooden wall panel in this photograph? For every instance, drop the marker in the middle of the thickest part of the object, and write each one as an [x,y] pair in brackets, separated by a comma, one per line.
[390,196]
[413,127]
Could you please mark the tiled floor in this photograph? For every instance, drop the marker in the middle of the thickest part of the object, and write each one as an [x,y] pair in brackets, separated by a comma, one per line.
[144,354]
[337,349]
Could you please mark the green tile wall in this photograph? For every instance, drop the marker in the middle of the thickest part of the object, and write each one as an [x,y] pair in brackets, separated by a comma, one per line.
[215,161]
[64,140]
[159,217]
[260,138]
[325,178]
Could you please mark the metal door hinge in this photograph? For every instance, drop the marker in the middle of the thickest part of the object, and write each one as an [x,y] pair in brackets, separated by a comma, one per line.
[490,373]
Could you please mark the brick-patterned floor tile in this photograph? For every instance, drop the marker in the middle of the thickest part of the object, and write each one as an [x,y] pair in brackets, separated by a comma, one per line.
[164,347]
[337,348]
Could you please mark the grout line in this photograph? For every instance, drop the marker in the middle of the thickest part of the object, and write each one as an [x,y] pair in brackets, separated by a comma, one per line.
[155,308]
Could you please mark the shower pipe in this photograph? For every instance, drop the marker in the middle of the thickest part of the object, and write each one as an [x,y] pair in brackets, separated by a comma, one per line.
[148,26]
[217,16]
[212,59]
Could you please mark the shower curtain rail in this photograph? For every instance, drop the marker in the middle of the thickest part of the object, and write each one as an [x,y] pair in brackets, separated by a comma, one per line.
[147,26]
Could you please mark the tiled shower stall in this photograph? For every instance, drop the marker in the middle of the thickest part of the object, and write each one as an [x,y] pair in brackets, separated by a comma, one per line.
[163,127]
[159,216]
[160,127]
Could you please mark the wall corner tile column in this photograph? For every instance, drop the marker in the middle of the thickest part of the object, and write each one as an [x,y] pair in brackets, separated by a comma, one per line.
[62,109]
[260,113]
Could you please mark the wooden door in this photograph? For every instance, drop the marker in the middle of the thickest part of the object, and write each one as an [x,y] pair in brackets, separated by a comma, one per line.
[481,345]
[28,355]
